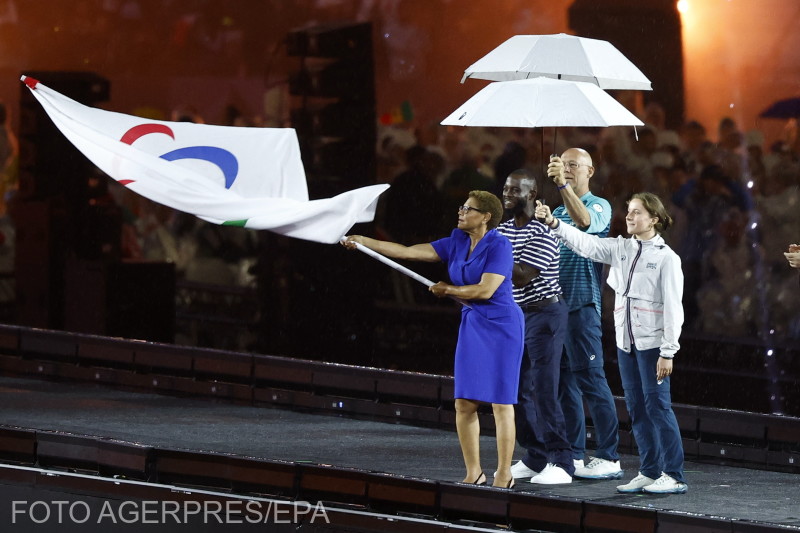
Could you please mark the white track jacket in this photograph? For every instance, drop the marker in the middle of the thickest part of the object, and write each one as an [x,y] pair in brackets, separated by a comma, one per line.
[648,284]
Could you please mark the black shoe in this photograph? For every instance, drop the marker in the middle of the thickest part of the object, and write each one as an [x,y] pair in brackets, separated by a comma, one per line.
[480,480]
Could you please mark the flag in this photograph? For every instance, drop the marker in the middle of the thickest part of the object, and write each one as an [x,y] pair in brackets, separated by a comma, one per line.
[399,115]
[249,177]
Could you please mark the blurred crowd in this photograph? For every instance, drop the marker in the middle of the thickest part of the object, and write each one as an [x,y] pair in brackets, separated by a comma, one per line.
[736,201]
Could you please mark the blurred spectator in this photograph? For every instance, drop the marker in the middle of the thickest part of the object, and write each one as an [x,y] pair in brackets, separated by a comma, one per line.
[726,127]
[756,166]
[390,157]
[467,177]
[167,235]
[7,249]
[729,301]
[9,153]
[654,116]
[513,157]
[707,202]
[413,205]
[730,146]
[693,137]
[640,158]
[778,204]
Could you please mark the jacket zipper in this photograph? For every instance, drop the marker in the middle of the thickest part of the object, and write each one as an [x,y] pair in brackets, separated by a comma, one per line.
[628,300]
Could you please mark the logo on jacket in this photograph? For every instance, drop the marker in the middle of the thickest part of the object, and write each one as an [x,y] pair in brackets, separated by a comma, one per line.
[652,266]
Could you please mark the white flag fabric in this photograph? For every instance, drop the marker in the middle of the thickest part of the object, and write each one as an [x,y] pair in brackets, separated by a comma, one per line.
[250,177]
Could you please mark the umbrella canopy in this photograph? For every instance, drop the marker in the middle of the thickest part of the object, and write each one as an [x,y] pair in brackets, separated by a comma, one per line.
[541,102]
[788,108]
[560,56]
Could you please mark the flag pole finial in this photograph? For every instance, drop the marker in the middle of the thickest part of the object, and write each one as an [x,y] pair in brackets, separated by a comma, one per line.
[30,82]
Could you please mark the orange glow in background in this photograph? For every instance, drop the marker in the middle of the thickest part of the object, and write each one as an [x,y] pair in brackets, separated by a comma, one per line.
[739,57]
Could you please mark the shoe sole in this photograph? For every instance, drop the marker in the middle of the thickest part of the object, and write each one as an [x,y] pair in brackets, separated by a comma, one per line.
[616,475]
[674,491]
[551,482]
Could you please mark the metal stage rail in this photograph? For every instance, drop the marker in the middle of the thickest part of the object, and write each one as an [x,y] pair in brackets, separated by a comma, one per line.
[737,438]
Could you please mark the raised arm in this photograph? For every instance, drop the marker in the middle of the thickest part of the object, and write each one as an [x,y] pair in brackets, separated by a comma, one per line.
[575,208]
[417,252]
[589,246]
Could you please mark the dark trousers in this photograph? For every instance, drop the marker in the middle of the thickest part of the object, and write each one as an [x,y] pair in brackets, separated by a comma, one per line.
[583,378]
[539,419]
[654,425]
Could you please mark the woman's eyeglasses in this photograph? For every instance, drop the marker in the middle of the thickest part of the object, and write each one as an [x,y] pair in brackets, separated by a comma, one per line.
[467,209]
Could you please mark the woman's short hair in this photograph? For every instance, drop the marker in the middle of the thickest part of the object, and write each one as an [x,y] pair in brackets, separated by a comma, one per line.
[655,207]
[488,203]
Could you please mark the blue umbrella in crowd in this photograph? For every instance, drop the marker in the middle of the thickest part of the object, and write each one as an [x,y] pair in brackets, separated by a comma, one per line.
[786,109]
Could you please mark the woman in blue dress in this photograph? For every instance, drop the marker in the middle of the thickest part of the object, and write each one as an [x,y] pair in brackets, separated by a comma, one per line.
[490,337]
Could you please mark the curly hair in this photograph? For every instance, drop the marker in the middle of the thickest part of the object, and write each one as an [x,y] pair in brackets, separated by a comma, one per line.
[489,203]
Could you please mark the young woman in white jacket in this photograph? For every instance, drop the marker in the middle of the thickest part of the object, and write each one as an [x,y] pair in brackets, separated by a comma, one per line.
[647,280]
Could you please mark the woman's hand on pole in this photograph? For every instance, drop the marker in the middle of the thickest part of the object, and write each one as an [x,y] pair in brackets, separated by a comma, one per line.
[439,289]
[349,241]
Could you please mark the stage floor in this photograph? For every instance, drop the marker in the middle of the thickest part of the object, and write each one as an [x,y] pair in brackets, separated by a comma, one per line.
[418,452]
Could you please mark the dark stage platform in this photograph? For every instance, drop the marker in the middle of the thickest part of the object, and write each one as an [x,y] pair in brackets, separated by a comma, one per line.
[169,439]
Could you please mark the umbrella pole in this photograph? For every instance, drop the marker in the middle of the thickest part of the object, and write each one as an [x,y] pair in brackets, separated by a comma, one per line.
[541,154]
[555,136]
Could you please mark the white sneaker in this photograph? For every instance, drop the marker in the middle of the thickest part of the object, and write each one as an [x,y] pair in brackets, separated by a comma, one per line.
[577,463]
[666,485]
[520,469]
[599,469]
[552,475]
[636,484]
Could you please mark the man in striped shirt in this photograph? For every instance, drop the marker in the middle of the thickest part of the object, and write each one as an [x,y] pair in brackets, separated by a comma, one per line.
[540,422]
[582,374]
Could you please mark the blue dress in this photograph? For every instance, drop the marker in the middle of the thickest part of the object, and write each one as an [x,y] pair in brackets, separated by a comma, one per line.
[491,334]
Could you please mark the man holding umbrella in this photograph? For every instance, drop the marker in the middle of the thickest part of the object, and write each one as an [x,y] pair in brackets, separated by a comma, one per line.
[582,374]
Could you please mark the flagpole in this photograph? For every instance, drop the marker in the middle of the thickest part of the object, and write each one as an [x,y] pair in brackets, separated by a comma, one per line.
[400,268]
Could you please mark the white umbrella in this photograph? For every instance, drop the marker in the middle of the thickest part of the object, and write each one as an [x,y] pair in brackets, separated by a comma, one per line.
[541,102]
[560,56]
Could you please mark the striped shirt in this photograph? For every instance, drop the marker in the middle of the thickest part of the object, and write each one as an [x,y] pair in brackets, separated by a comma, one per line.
[534,245]
[580,277]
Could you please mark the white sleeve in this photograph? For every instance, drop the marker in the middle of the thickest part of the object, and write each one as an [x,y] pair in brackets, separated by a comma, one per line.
[672,286]
[589,246]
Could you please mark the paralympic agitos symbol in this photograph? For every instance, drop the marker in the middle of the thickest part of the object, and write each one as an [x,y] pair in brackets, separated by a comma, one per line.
[225,160]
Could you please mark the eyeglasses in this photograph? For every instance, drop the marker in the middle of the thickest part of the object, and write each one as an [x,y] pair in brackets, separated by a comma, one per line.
[467,209]
[573,165]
